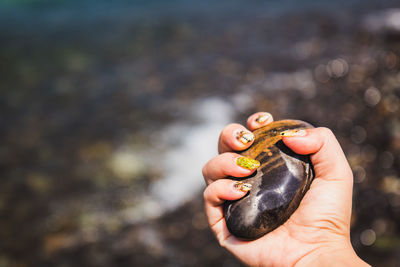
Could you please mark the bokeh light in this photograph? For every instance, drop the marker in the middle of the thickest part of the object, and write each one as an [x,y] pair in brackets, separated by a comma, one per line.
[111,108]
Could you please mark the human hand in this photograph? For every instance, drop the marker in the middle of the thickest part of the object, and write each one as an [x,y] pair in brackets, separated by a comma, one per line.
[318,232]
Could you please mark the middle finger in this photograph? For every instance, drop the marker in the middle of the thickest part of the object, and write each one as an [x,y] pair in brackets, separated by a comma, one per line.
[228,164]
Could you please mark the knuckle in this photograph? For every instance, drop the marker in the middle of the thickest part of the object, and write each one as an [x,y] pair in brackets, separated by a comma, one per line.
[222,243]
[204,170]
[206,194]
[209,193]
[326,132]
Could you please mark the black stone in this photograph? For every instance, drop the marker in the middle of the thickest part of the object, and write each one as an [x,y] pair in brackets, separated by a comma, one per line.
[278,185]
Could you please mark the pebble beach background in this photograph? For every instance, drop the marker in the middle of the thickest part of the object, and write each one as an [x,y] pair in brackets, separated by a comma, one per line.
[109,110]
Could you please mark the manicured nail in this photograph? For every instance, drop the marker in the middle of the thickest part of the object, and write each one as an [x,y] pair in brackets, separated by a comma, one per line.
[294,132]
[247,163]
[263,117]
[245,136]
[244,187]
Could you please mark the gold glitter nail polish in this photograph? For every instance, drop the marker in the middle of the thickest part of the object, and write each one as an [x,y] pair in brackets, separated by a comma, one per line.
[263,117]
[245,137]
[247,163]
[294,132]
[244,187]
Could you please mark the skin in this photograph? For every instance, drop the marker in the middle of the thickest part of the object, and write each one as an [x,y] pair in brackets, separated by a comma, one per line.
[318,232]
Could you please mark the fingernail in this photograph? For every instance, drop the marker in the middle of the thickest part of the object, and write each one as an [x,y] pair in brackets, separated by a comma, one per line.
[244,187]
[247,163]
[263,117]
[294,132]
[245,136]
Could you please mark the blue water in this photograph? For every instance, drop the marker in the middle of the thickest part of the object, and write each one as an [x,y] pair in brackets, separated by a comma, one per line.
[34,15]
[141,8]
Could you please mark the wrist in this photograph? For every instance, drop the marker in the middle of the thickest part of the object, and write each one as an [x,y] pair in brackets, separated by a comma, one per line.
[338,255]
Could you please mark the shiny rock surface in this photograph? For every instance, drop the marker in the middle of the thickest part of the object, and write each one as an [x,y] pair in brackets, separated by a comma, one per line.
[278,185]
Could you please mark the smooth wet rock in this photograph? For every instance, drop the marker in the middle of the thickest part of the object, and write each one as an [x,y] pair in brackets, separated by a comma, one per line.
[278,185]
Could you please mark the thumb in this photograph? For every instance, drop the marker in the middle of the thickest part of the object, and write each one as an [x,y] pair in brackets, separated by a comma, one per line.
[327,156]
[332,188]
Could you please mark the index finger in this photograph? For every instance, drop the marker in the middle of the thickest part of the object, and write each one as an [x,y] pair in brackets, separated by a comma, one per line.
[228,164]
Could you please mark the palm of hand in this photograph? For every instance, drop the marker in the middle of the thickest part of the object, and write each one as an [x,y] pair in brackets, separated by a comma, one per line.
[320,220]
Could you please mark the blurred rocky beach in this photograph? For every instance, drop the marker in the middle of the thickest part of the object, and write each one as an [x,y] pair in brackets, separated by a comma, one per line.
[109,110]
